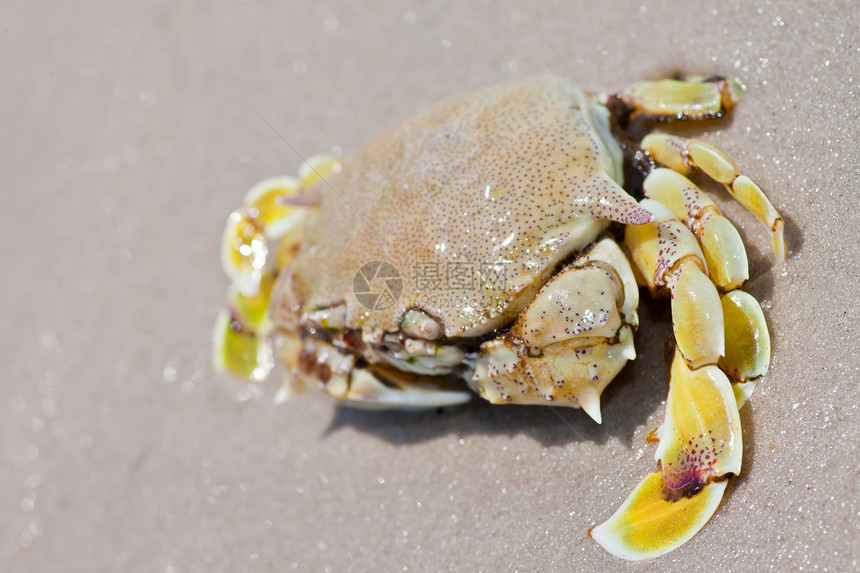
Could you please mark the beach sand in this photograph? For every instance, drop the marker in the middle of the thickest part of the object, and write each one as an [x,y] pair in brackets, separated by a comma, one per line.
[131,130]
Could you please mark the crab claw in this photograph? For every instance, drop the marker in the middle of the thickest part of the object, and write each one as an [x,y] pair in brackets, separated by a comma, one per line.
[700,447]
[570,341]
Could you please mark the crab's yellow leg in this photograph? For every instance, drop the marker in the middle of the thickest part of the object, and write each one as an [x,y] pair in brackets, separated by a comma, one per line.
[260,239]
[700,447]
[747,355]
[651,522]
[747,351]
[683,155]
[721,244]
[690,98]
[240,350]
[669,258]
[700,439]
[697,98]
[391,389]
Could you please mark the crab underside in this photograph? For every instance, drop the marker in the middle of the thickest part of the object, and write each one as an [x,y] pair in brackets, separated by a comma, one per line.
[491,240]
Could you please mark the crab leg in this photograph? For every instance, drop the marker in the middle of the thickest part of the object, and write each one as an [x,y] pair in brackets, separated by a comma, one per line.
[697,98]
[700,439]
[699,449]
[683,155]
[747,353]
[373,387]
[669,258]
[721,244]
[388,388]
[690,98]
[259,240]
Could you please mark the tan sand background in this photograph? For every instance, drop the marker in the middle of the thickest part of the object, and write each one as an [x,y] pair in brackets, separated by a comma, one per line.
[128,131]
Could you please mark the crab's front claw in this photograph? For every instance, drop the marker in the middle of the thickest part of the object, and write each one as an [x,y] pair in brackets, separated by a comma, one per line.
[562,374]
[700,447]
[570,341]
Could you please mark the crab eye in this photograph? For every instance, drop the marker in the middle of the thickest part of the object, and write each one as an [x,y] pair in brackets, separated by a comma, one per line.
[419,324]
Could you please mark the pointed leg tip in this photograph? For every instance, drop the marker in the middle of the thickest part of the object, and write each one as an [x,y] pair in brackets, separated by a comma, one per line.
[779,241]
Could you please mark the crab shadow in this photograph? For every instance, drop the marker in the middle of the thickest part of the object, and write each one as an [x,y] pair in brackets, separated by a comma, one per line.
[633,400]
[763,268]
[749,455]
[633,397]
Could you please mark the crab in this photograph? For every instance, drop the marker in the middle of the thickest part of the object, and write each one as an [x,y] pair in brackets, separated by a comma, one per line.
[498,243]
